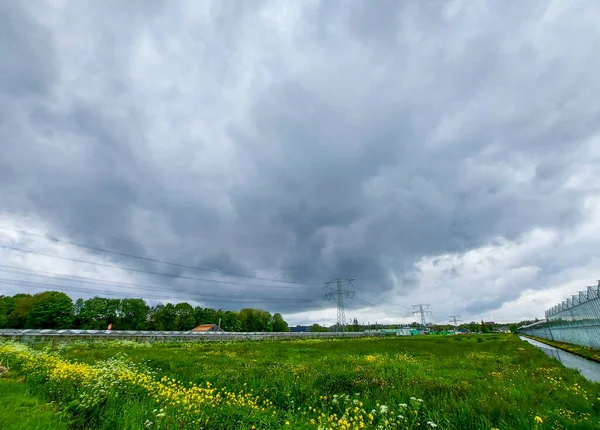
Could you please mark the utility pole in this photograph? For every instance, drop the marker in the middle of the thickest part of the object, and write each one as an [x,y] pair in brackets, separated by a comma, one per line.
[337,294]
[454,318]
[422,309]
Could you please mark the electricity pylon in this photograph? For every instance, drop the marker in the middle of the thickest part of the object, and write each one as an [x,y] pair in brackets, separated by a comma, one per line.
[337,294]
[454,318]
[421,309]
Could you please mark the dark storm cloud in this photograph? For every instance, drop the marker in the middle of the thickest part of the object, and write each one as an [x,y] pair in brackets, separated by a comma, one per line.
[369,138]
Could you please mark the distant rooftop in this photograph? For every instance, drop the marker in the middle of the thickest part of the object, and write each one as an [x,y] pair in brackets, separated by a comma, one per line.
[207,327]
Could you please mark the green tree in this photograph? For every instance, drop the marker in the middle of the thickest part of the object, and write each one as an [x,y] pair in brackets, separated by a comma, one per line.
[473,327]
[7,305]
[317,328]
[255,320]
[18,315]
[279,324]
[247,319]
[133,314]
[484,328]
[165,317]
[98,312]
[50,310]
[230,321]
[77,307]
[205,315]
[185,319]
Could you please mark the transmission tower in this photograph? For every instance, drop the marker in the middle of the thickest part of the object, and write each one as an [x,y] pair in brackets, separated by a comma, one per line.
[422,309]
[454,318]
[337,294]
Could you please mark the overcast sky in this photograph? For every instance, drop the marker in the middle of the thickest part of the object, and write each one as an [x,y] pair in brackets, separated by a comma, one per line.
[436,152]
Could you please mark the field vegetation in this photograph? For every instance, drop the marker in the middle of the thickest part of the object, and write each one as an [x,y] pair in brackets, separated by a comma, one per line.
[21,410]
[451,382]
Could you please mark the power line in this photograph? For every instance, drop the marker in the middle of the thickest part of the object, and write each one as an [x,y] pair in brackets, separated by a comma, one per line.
[40,285]
[120,239]
[148,272]
[372,305]
[153,260]
[82,279]
[380,299]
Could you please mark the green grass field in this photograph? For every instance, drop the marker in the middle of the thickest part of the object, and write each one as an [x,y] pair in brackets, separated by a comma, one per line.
[454,382]
[20,410]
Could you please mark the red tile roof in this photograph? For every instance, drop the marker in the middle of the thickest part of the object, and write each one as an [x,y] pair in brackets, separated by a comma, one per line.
[205,327]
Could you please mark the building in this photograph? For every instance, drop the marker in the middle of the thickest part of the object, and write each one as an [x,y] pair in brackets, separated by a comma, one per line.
[404,331]
[202,328]
[503,329]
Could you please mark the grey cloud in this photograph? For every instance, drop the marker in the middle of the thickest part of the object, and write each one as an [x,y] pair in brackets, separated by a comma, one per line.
[379,136]
[23,43]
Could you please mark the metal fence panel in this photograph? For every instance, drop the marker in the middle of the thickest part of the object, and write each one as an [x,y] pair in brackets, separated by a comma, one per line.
[575,320]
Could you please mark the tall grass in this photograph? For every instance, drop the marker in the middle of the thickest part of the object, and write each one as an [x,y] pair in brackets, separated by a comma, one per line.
[20,410]
[473,382]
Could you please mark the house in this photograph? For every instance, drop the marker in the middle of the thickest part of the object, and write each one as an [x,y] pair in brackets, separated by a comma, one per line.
[206,327]
[464,331]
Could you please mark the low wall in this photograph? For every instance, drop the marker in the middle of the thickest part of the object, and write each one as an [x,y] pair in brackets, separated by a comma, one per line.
[38,336]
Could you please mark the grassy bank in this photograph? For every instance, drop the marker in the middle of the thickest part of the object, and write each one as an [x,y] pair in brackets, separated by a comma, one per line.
[460,382]
[582,351]
[20,410]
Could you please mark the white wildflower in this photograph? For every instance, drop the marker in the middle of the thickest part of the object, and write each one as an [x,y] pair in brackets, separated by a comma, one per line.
[403,405]
[383,409]
[431,424]
[413,398]
[420,400]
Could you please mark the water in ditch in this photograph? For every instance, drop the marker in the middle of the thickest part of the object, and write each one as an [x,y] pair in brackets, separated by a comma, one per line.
[588,369]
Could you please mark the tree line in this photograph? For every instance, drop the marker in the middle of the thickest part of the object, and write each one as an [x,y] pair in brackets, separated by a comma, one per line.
[56,310]
[473,327]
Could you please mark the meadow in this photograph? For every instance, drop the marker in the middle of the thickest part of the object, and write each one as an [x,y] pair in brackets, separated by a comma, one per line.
[450,382]
[23,411]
